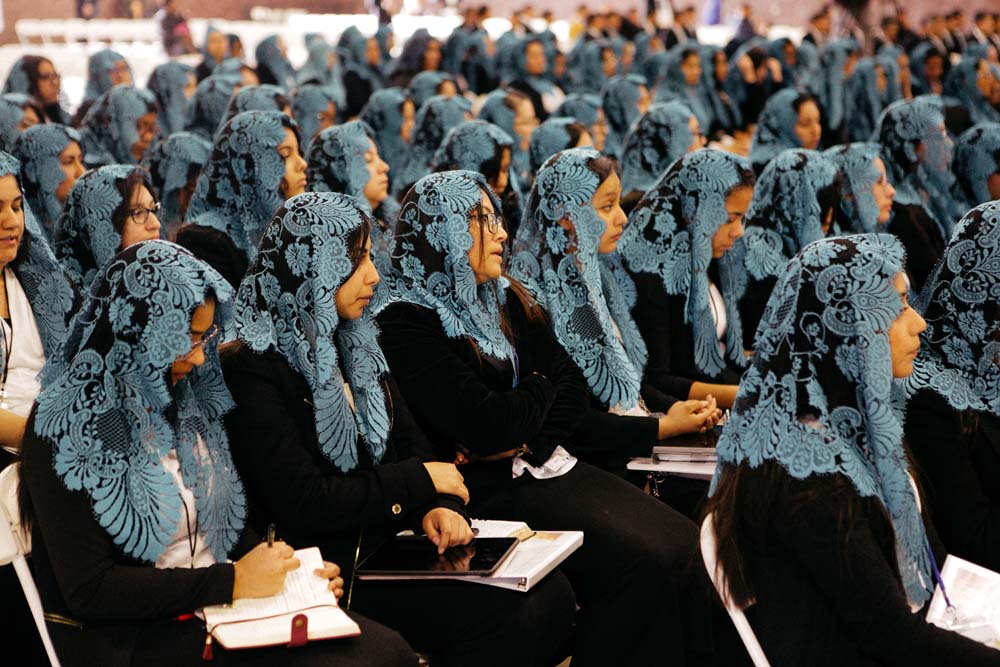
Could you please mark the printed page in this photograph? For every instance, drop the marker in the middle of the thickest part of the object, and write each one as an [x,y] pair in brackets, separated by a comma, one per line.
[975,593]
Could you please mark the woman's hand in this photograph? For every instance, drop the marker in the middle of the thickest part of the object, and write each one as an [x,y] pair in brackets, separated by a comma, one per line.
[331,571]
[446,528]
[689,417]
[261,573]
[448,480]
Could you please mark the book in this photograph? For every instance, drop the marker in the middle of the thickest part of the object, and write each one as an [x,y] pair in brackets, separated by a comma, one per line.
[536,555]
[257,622]
[690,469]
[685,454]
[974,592]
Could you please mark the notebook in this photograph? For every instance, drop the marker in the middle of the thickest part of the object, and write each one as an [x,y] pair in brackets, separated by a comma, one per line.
[690,469]
[974,592]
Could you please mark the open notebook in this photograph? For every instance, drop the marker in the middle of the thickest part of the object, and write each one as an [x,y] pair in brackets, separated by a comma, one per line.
[251,623]
[975,593]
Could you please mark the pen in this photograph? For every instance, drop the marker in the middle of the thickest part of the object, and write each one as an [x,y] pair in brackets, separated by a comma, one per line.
[270,534]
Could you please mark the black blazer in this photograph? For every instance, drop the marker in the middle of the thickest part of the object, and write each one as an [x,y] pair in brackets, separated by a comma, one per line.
[216,249]
[958,457]
[272,434]
[921,238]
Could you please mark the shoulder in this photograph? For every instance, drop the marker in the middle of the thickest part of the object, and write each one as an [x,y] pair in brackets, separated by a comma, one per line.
[409,314]
[245,370]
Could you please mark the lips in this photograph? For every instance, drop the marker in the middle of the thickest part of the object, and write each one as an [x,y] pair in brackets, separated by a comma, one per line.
[9,239]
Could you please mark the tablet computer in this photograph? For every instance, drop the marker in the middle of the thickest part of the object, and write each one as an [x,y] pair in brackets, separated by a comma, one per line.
[418,556]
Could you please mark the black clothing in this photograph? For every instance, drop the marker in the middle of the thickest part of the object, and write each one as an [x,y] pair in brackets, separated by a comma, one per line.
[536,98]
[358,89]
[633,576]
[921,238]
[957,455]
[203,70]
[216,249]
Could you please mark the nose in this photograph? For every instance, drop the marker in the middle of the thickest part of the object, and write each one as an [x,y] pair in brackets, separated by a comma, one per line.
[891,190]
[921,323]
[383,166]
[501,234]
[79,169]
[152,223]
[301,165]
[737,230]
[374,278]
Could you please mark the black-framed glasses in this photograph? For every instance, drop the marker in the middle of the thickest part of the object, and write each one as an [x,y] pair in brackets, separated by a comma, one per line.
[49,76]
[140,214]
[492,221]
[210,335]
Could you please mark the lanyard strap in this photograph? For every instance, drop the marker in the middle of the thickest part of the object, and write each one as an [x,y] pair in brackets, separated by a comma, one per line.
[937,574]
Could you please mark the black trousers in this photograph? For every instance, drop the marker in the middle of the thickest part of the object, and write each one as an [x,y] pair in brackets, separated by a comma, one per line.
[644,597]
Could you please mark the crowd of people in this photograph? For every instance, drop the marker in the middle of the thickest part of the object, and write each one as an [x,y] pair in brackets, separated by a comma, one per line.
[396,288]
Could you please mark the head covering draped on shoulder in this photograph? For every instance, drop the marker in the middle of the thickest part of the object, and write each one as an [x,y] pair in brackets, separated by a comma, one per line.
[977,157]
[660,137]
[109,128]
[864,99]
[620,98]
[171,162]
[38,150]
[111,415]
[775,130]
[286,304]
[272,65]
[962,84]
[167,83]
[438,115]
[384,114]
[208,106]
[99,69]
[819,398]
[309,102]
[856,162]
[548,139]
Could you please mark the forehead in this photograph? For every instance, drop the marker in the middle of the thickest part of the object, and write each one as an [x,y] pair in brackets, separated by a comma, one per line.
[487,203]
[611,186]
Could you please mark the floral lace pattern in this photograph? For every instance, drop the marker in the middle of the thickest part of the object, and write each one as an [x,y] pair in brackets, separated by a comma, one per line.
[775,130]
[586,294]
[548,139]
[111,416]
[670,235]
[171,162]
[432,123]
[857,164]
[337,160]
[273,65]
[384,115]
[264,97]
[659,138]
[863,99]
[961,83]
[830,86]
[286,303]
[496,111]
[99,69]
[819,398]
[470,146]
[12,106]
[581,106]
[109,128]
[167,83]
[240,187]
[975,161]
[38,150]
[619,99]
[208,105]
[961,345]
[309,102]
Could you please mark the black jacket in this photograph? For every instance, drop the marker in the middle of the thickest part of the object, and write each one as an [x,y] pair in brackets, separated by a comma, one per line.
[216,249]
[921,238]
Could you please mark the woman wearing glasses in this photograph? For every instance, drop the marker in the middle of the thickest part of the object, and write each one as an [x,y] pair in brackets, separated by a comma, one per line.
[51,162]
[120,126]
[37,77]
[107,210]
[129,486]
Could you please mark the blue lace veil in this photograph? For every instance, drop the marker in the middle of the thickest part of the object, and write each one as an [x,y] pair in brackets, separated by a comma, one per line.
[17,79]
[660,137]
[863,100]
[337,160]
[961,84]
[888,57]
[960,348]
[589,70]
[272,65]
[109,128]
[586,294]
[425,85]
[496,111]
[775,130]
[856,162]
[725,113]
[903,126]
[99,69]
[12,106]
[317,70]
[384,114]
[673,86]
[208,106]
[111,415]
[584,107]
[977,157]
[85,237]
[830,87]
[167,83]
[38,150]
[171,162]
[240,187]
[308,103]
[548,139]
[286,304]
[619,98]
[430,262]
[670,235]
[264,97]
[819,398]
[786,212]
[438,115]
[471,145]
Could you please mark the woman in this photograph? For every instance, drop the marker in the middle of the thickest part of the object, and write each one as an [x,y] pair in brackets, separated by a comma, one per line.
[421,53]
[426,85]
[556,134]
[315,108]
[928,68]
[140,388]
[837,60]
[866,193]
[438,115]
[587,110]
[173,84]
[327,474]
[531,74]
[953,415]
[790,119]
[264,97]
[362,75]
[208,106]
[598,63]
[506,406]
[322,68]
[273,66]
[214,51]
[726,116]
[119,127]
[37,77]
[977,165]
[975,85]
[512,111]
[796,202]
[662,135]
[51,162]
[37,303]
[677,249]
[390,114]
[17,113]
[866,95]
[108,209]
[917,155]
[817,520]
[683,81]
[256,164]
[174,165]
[105,70]
[624,99]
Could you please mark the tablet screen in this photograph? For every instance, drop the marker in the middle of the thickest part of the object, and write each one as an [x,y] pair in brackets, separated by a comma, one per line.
[416,556]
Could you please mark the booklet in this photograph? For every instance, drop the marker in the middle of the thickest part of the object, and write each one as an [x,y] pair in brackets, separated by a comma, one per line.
[685,454]
[305,610]
[690,469]
[974,592]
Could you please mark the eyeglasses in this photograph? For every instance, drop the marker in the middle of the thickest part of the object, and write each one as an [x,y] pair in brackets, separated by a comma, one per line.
[492,221]
[210,335]
[140,214]
[49,76]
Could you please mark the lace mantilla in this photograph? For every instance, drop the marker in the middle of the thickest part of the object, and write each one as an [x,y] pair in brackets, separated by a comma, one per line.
[438,115]
[171,163]
[208,106]
[167,83]
[38,150]
[620,98]
[99,69]
[384,114]
[775,130]
[109,129]
[975,161]
[857,164]
[309,102]
[264,97]
[659,138]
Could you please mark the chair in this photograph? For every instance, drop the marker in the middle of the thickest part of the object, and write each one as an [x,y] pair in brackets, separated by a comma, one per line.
[14,546]
[709,554]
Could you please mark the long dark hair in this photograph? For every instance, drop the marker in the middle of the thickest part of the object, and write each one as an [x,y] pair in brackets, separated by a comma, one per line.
[127,188]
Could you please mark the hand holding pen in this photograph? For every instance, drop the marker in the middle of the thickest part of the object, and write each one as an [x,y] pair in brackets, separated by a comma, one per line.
[261,572]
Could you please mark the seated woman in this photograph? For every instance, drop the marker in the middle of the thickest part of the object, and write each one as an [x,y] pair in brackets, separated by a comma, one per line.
[661,136]
[506,402]
[208,106]
[917,155]
[790,119]
[595,63]
[531,73]
[215,50]
[390,114]
[688,283]
[315,108]
[624,99]
[587,109]
[362,75]
[438,115]
[173,83]
[105,70]
[256,164]
[18,112]
[837,60]
[273,66]
[928,66]
[263,97]
[512,111]
[51,162]
[107,210]
[817,519]
[421,53]
[726,116]
[866,194]
[974,83]
[683,81]
[796,201]
[322,69]
[174,164]
[36,77]
[119,127]
[977,165]
[37,303]
[953,415]
[317,433]
[555,134]
[123,549]
[426,85]
[867,91]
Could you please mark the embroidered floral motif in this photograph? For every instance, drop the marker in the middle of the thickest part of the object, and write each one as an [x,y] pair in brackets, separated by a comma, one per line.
[109,129]
[167,82]
[857,164]
[38,150]
[656,141]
